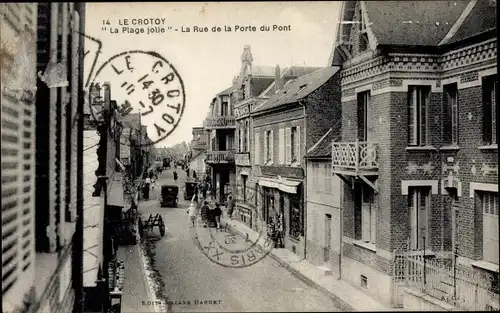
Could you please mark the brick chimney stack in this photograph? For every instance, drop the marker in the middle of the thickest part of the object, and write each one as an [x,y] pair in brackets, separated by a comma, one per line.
[278,82]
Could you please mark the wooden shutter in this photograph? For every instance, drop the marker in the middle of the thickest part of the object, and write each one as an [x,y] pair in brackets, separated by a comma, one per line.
[288,147]
[257,148]
[490,226]
[412,217]
[423,198]
[266,147]
[412,116]
[423,98]
[271,145]
[373,218]
[281,146]
[297,145]
[18,154]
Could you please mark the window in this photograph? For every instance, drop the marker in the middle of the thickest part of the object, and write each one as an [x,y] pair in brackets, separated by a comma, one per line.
[450,115]
[257,148]
[268,204]
[293,146]
[240,146]
[489,204]
[418,207]
[246,131]
[418,98]
[244,181]
[268,147]
[365,213]
[293,136]
[363,102]
[489,86]
[224,109]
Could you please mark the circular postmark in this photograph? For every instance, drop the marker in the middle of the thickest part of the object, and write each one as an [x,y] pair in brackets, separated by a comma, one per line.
[228,246]
[145,89]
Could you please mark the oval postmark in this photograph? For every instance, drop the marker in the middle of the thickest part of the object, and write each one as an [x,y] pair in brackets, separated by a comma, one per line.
[229,247]
[145,89]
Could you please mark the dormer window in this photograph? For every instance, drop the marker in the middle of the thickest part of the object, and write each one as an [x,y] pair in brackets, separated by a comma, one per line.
[363,36]
[224,108]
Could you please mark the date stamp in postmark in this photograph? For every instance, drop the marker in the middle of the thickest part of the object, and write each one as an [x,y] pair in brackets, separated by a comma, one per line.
[228,248]
[146,84]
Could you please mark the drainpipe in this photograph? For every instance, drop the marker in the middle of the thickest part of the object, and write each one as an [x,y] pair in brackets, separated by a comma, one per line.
[305,180]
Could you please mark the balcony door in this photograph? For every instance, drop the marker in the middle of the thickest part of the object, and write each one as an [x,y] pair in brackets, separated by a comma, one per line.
[363,103]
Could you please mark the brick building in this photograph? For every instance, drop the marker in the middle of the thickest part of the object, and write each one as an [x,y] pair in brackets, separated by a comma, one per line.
[418,152]
[41,251]
[285,126]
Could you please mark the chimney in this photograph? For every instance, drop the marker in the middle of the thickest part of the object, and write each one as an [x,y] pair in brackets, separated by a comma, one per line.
[278,83]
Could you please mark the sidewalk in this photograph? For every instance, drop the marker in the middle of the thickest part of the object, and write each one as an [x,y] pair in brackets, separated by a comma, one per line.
[137,295]
[343,294]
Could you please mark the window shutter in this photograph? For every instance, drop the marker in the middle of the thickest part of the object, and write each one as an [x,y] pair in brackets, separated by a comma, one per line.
[423,99]
[18,159]
[490,227]
[422,218]
[271,146]
[487,108]
[288,150]
[412,116]
[281,146]
[447,116]
[297,145]
[266,147]
[412,200]
[373,220]
[257,148]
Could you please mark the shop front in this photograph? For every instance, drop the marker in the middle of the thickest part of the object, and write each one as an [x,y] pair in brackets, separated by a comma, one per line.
[282,212]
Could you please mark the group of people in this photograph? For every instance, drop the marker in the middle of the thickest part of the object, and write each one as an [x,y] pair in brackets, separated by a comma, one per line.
[149,182]
[210,211]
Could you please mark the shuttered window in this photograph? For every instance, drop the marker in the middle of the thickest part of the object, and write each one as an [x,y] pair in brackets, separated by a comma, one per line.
[450,115]
[271,147]
[489,203]
[281,146]
[418,102]
[288,145]
[17,151]
[257,148]
[489,86]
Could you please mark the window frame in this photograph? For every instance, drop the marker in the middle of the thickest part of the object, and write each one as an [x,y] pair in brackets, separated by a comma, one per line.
[489,86]
[451,114]
[493,212]
[418,104]
[293,145]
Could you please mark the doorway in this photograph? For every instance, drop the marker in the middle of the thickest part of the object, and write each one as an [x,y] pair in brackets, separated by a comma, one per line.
[328,238]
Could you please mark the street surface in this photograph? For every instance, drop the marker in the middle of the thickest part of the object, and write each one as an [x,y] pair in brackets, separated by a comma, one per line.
[190,282]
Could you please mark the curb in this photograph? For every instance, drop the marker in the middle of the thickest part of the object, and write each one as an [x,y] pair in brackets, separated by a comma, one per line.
[343,305]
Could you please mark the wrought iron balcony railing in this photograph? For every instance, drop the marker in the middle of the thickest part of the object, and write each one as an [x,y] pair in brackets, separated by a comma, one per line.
[220,156]
[225,121]
[358,156]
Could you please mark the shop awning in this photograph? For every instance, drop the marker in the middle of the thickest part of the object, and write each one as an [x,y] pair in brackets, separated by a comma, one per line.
[283,184]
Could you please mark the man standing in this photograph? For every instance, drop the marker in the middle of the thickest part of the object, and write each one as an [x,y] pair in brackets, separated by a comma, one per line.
[217,213]
[230,207]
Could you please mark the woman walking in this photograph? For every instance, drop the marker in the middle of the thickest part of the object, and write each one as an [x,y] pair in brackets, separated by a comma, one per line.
[217,214]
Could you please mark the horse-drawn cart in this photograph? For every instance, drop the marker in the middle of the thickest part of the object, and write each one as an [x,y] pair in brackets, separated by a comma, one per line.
[150,223]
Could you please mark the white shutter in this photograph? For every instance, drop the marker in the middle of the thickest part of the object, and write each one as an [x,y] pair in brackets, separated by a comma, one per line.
[297,145]
[266,147]
[490,227]
[18,157]
[257,148]
[281,146]
[288,147]
[271,146]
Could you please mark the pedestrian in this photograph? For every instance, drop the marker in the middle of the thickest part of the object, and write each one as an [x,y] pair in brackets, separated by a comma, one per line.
[153,180]
[187,172]
[175,175]
[217,214]
[204,190]
[230,207]
[194,176]
[146,188]
[192,213]
[205,213]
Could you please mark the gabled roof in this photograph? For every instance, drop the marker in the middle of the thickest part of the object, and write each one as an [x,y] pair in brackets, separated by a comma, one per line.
[288,74]
[482,18]
[299,88]
[323,148]
[227,91]
[412,23]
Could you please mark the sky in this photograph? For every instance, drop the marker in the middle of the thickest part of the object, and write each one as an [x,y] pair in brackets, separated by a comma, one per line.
[204,62]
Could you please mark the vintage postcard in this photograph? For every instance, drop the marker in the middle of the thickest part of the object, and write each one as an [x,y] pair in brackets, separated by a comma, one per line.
[268,156]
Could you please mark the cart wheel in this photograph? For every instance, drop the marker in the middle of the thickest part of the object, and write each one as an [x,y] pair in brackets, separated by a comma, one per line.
[162,230]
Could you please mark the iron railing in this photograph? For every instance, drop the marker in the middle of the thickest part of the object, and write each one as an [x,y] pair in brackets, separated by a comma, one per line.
[355,156]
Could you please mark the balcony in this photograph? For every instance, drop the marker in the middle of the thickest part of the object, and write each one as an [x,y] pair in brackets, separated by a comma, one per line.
[217,122]
[355,158]
[242,159]
[220,157]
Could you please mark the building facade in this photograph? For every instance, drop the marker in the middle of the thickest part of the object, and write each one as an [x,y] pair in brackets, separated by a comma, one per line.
[285,126]
[41,264]
[418,152]
[323,207]
[198,152]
